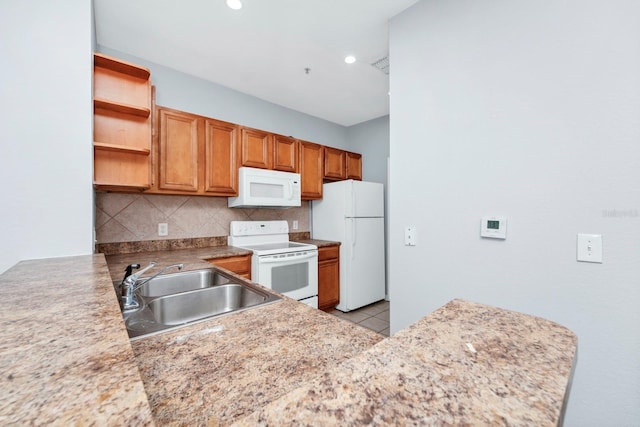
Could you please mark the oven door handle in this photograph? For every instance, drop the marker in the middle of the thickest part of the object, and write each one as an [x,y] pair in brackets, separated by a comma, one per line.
[270,260]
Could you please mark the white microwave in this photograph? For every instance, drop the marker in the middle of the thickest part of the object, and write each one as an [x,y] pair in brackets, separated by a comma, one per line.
[266,188]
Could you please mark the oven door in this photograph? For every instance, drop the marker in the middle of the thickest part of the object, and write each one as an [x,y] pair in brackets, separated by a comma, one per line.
[293,274]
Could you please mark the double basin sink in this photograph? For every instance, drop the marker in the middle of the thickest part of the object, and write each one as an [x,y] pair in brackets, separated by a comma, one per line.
[173,300]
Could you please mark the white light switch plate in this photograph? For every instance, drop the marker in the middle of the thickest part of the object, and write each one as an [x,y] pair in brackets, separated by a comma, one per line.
[589,248]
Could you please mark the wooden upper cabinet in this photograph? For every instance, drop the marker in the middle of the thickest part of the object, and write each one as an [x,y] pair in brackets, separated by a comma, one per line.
[354,166]
[285,153]
[311,163]
[122,125]
[221,158]
[178,151]
[195,155]
[334,164]
[257,148]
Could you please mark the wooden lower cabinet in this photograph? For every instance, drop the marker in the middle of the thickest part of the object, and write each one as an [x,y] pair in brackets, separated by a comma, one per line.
[328,277]
[240,264]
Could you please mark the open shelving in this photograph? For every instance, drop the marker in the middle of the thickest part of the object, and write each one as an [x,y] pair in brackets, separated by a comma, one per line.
[122,125]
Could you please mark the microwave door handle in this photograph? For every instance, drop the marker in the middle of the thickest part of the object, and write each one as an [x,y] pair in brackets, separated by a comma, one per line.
[280,260]
[290,190]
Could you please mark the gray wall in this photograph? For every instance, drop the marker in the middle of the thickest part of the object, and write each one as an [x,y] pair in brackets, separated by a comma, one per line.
[371,139]
[175,89]
[45,130]
[528,110]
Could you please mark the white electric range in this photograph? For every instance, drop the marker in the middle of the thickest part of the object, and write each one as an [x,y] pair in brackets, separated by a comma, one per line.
[290,268]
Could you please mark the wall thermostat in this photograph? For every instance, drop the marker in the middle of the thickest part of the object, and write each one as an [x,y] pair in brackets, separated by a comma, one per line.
[494,227]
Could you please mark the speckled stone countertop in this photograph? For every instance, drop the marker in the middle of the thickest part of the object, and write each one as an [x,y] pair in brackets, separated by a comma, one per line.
[216,372]
[318,243]
[193,259]
[464,364]
[66,360]
[65,357]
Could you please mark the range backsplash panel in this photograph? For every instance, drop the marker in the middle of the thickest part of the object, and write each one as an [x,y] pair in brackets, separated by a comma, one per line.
[124,217]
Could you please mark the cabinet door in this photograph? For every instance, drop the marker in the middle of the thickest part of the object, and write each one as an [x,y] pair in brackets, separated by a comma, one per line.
[221,160]
[311,160]
[354,166]
[257,151]
[285,153]
[334,164]
[328,277]
[178,151]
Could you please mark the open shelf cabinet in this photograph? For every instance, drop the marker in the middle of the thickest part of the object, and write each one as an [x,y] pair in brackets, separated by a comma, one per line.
[122,125]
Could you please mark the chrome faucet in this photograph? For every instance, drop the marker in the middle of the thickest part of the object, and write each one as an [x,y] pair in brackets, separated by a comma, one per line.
[130,285]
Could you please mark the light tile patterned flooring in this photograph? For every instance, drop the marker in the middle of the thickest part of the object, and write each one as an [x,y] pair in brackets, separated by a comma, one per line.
[374,317]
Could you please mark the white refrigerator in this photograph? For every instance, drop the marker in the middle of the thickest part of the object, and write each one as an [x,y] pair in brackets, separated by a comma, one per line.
[352,212]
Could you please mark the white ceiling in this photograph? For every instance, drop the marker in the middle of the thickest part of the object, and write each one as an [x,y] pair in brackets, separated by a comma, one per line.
[264,48]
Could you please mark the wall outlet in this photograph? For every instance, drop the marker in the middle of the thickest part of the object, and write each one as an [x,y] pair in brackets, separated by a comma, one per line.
[295,224]
[410,236]
[163,229]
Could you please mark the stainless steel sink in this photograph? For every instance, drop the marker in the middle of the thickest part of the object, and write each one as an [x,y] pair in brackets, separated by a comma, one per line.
[180,299]
[168,284]
[194,305]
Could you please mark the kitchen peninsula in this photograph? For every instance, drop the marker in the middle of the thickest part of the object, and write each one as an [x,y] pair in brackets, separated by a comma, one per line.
[66,359]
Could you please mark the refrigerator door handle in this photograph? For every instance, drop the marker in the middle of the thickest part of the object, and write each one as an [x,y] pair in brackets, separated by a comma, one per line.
[353,238]
[353,202]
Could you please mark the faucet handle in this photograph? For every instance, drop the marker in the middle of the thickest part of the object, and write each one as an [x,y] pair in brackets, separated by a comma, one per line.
[134,277]
[129,270]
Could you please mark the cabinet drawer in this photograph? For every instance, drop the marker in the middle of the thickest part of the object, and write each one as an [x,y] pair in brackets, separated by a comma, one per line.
[328,252]
[238,264]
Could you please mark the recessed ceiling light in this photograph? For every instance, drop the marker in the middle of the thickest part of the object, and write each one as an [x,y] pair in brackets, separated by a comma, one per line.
[234,4]
[350,59]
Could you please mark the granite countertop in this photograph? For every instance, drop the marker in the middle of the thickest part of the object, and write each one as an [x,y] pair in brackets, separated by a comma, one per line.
[65,357]
[318,243]
[193,259]
[216,372]
[464,364]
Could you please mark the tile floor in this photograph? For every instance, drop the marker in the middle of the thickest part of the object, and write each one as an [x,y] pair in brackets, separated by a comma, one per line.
[374,317]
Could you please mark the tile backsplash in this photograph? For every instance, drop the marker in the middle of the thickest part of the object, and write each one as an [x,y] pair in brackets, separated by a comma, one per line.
[125,217]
